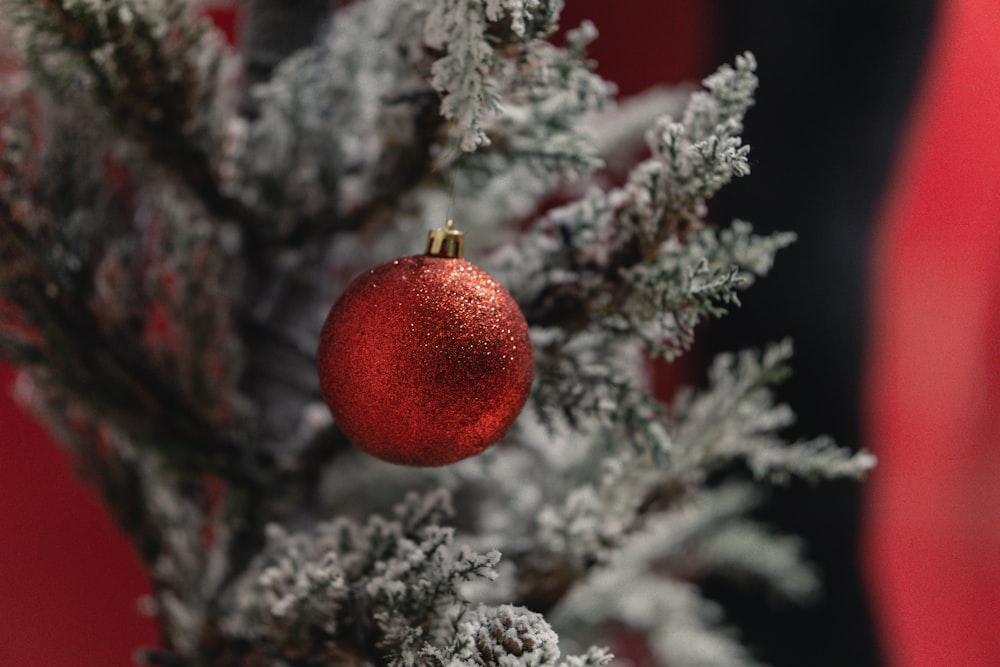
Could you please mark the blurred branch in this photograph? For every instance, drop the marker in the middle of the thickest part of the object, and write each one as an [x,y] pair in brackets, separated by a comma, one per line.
[271,31]
[147,75]
[115,383]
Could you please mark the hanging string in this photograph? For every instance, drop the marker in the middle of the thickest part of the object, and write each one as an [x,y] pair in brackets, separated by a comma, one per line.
[449,161]
[449,211]
[452,158]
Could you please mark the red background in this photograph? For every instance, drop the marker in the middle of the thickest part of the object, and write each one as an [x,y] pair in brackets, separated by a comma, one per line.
[933,533]
[69,581]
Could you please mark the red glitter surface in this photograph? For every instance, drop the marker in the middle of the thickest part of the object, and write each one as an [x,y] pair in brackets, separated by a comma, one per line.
[425,361]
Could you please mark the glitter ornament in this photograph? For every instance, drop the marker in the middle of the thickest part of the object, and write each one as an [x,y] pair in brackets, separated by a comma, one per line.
[425,360]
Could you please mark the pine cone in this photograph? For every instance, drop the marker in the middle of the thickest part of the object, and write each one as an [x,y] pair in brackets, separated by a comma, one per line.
[514,631]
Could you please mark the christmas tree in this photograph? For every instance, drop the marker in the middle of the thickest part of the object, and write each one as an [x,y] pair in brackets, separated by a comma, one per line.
[177,218]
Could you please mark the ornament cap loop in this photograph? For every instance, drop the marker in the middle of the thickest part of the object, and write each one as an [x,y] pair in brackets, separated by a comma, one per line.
[445,242]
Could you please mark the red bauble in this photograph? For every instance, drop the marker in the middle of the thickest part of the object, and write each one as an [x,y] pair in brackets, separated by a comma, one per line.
[425,361]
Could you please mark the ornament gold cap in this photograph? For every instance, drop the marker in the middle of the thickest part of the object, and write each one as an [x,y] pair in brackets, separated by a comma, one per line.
[445,242]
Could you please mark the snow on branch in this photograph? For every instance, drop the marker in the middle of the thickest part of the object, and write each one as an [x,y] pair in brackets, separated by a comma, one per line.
[540,129]
[590,376]
[509,636]
[394,584]
[688,281]
[466,31]
[584,364]
[616,483]
[156,68]
[518,113]
[348,133]
[389,579]
[612,254]
[645,586]
[341,124]
[119,289]
[737,419]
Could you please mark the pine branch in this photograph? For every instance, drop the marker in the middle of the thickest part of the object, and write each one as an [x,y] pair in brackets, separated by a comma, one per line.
[587,256]
[155,69]
[119,384]
[612,495]
[392,588]
[642,588]
[272,30]
[736,419]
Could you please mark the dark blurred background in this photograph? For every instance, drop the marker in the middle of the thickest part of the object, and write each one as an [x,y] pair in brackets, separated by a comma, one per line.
[837,80]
